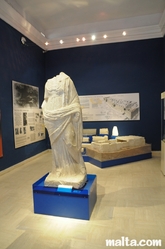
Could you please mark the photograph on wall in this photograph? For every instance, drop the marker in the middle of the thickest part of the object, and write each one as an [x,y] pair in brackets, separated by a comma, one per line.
[110,107]
[1,150]
[25,95]
[27,116]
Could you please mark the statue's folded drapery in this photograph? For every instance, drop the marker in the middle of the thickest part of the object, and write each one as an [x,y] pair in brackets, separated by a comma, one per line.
[63,120]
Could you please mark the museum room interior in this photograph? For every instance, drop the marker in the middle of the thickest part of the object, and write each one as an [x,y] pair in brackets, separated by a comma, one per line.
[110,49]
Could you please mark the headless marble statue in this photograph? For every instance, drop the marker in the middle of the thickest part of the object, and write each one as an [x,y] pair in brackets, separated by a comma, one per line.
[63,120]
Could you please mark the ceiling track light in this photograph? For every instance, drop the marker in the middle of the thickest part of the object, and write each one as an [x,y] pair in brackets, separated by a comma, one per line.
[83,39]
[93,37]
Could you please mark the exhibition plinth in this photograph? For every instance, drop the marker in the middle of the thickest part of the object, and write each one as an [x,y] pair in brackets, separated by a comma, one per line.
[64,202]
[86,158]
[108,159]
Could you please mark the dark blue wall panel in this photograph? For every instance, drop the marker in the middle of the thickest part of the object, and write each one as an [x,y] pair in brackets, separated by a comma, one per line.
[127,67]
[164,61]
[25,64]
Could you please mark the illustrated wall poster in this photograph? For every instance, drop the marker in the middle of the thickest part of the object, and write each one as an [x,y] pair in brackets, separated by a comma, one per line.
[27,116]
[1,150]
[110,107]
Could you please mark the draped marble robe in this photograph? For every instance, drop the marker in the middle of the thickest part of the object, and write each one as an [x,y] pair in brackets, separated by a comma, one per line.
[63,121]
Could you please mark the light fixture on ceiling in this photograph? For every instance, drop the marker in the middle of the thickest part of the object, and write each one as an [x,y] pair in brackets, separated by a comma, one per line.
[61,41]
[83,39]
[43,34]
[124,33]
[46,43]
[77,39]
[93,37]
[104,36]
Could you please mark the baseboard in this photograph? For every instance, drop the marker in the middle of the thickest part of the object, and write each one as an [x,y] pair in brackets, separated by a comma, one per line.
[156,153]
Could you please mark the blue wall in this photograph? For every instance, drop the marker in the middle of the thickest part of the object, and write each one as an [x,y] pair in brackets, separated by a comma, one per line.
[136,66]
[127,67]
[22,64]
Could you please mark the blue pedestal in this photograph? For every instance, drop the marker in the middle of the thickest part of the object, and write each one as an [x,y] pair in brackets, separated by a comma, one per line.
[71,203]
[119,161]
[86,158]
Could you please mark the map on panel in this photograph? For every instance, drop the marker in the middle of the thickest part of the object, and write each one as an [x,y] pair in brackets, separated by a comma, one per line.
[110,107]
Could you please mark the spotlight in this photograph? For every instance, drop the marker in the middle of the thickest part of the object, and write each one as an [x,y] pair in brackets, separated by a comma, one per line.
[93,37]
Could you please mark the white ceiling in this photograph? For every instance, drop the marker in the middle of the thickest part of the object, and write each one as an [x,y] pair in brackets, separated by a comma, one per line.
[70,19]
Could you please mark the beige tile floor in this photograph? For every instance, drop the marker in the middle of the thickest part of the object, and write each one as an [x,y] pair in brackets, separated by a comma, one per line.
[130,203]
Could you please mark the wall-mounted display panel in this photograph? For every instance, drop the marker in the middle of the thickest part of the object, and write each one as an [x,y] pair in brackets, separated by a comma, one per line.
[110,107]
[27,117]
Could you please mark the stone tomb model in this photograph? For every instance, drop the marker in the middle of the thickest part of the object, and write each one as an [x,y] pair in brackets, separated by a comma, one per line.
[63,121]
[103,149]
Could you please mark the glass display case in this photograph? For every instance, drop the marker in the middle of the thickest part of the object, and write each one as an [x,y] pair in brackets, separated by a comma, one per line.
[163,132]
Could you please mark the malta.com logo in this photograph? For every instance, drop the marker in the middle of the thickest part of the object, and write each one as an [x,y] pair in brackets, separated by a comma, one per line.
[126,242]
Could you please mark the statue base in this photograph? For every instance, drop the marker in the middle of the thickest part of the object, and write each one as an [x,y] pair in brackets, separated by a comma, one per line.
[76,181]
[65,202]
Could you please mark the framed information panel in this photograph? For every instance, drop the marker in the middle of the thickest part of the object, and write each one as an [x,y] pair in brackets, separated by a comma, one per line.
[28,118]
[110,107]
